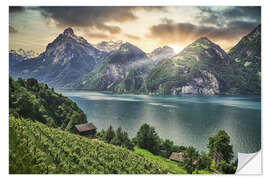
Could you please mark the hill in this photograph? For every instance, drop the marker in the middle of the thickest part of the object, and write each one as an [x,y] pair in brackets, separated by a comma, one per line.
[37,149]
[30,99]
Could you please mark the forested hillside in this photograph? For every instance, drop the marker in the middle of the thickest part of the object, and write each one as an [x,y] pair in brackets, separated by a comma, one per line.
[247,55]
[38,102]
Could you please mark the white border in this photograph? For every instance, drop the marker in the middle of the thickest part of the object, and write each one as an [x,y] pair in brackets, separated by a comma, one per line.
[265,76]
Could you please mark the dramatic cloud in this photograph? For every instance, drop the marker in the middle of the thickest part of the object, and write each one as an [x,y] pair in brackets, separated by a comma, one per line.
[186,32]
[132,37]
[218,24]
[12,30]
[221,17]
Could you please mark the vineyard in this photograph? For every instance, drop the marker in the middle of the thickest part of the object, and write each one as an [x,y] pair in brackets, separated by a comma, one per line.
[38,149]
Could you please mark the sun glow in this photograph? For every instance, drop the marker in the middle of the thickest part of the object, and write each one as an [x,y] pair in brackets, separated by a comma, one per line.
[177,48]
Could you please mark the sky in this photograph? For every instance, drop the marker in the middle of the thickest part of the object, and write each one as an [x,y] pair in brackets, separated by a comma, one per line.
[147,27]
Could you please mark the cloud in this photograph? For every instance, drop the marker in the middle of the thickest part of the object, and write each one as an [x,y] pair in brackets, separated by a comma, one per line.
[12,30]
[185,33]
[96,35]
[220,24]
[16,9]
[95,17]
[224,15]
[132,37]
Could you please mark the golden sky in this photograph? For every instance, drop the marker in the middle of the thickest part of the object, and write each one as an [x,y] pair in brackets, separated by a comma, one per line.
[32,28]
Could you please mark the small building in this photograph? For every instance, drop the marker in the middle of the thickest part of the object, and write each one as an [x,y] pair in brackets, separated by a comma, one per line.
[88,130]
[177,156]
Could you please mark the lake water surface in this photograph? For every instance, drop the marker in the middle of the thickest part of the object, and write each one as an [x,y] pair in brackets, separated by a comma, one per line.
[187,120]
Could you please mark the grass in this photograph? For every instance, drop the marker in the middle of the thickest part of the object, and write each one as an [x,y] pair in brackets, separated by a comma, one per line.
[171,165]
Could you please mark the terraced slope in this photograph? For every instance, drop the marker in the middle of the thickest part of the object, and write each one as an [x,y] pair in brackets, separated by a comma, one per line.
[36,148]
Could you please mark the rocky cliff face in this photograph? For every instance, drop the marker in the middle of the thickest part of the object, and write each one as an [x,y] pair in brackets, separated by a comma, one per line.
[65,60]
[201,68]
[206,84]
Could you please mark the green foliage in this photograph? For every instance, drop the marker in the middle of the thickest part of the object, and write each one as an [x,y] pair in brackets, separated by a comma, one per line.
[172,166]
[191,157]
[247,54]
[226,168]
[38,149]
[220,143]
[199,57]
[35,101]
[147,138]
[109,135]
[166,148]
[204,161]
[118,138]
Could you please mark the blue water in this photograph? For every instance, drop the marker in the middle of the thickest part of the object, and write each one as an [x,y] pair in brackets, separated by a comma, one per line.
[187,120]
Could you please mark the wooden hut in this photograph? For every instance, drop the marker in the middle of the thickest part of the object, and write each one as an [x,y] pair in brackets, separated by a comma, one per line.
[88,130]
[177,156]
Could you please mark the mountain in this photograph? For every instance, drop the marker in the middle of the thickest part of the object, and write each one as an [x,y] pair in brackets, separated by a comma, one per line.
[65,60]
[25,54]
[247,55]
[108,46]
[201,68]
[14,58]
[20,55]
[124,70]
[161,53]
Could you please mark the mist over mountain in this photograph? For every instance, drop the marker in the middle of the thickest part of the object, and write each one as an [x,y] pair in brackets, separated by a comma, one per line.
[122,71]
[161,53]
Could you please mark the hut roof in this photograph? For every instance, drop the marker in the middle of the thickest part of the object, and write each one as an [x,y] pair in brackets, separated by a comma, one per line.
[85,127]
[175,156]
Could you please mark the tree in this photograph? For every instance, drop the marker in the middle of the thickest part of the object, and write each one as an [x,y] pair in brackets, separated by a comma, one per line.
[109,135]
[147,138]
[167,148]
[226,168]
[190,159]
[204,161]
[219,145]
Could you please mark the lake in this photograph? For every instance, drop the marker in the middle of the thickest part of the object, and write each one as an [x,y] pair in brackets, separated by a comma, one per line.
[187,120]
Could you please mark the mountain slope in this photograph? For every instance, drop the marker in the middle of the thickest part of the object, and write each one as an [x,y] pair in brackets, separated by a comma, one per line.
[161,53]
[65,60]
[247,55]
[201,68]
[122,71]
